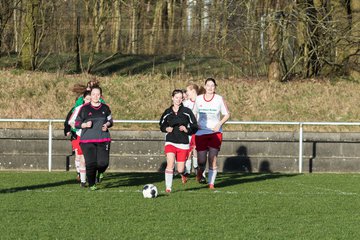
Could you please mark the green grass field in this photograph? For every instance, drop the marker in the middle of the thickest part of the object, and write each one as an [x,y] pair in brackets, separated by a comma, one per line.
[41,205]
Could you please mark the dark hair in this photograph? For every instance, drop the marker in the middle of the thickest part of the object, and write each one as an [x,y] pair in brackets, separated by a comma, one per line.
[97,87]
[212,80]
[176,91]
[86,93]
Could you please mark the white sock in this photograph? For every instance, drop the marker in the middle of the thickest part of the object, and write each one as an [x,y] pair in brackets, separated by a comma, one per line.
[82,169]
[77,163]
[195,162]
[188,166]
[212,175]
[169,173]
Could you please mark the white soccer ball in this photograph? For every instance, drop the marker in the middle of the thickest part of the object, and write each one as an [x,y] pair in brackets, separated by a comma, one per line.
[150,191]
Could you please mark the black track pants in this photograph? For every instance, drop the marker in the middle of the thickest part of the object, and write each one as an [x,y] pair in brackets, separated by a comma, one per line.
[96,159]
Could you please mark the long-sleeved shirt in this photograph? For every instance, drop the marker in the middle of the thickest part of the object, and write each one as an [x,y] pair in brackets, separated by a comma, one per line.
[184,117]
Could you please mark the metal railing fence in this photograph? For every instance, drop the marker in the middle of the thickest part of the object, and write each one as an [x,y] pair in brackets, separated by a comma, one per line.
[300,124]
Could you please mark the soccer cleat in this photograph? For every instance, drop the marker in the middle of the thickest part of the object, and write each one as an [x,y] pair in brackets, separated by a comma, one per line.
[199,175]
[99,177]
[83,184]
[184,178]
[211,186]
[168,190]
[202,180]
[93,188]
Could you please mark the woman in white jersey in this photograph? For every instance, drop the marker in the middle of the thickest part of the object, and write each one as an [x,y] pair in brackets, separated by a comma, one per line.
[192,91]
[208,109]
[76,142]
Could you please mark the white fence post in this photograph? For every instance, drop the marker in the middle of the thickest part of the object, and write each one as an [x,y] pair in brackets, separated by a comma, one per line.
[50,146]
[300,148]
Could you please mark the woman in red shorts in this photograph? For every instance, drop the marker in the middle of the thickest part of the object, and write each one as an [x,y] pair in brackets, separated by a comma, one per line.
[178,122]
[211,112]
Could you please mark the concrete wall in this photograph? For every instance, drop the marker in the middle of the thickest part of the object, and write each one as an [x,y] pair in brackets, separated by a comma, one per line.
[143,151]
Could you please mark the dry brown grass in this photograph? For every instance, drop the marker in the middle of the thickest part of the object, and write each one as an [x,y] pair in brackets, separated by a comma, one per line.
[45,95]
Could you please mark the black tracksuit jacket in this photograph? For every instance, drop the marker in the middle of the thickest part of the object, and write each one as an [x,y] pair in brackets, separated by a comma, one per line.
[184,117]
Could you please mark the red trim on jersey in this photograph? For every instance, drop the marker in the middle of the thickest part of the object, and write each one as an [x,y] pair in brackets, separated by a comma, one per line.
[96,108]
[210,99]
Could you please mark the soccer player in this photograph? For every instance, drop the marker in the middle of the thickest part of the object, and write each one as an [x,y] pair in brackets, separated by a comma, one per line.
[208,109]
[178,122]
[192,91]
[95,119]
[76,142]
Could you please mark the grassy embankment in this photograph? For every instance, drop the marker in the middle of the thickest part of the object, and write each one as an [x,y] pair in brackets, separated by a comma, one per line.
[48,95]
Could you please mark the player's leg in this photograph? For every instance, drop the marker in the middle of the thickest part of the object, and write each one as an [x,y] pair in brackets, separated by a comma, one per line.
[169,171]
[181,156]
[214,148]
[82,168]
[212,157]
[75,143]
[202,157]
[195,160]
[189,156]
[201,143]
[188,164]
[90,154]
[103,157]
[82,171]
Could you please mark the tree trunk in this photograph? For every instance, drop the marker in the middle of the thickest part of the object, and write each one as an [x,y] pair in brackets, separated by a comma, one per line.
[29,35]
[116,27]
[171,24]
[354,59]
[156,26]
[341,27]
[274,70]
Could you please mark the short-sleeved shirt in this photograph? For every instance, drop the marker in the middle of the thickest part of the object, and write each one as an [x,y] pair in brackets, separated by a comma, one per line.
[209,113]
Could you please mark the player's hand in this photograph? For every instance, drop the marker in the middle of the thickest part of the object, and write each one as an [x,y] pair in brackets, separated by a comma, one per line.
[68,134]
[169,129]
[183,129]
[104,127]
[217,127]
[88,124]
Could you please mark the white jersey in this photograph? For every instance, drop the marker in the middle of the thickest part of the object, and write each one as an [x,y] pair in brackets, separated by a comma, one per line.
[209,113]
[71,121]
[189,103]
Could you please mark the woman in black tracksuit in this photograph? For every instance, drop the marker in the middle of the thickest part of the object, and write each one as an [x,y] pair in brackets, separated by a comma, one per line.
[94,119]
[178,122]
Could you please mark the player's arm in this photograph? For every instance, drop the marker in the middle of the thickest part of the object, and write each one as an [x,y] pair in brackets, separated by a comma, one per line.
[163,122]
[108,122]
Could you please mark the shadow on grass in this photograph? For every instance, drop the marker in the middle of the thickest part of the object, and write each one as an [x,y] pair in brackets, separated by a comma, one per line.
[38,186]
[230,179]
[114,180]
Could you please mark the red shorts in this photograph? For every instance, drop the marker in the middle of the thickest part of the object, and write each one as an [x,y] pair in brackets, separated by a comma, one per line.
[76,145]
[204,142]
[180,154]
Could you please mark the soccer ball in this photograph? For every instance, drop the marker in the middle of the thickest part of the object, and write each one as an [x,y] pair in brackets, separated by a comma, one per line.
[150,191]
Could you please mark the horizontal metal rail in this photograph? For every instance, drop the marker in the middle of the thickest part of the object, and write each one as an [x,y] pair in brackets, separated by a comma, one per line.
[300,124]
